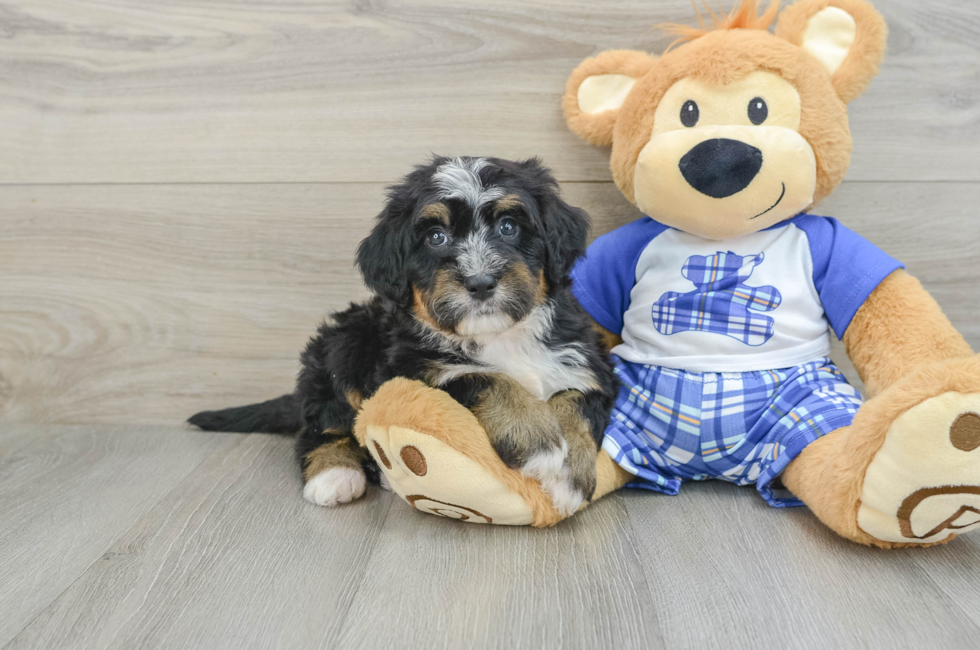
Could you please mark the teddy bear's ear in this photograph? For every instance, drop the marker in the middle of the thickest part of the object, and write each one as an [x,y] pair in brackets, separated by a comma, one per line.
[596,90]
[847,36]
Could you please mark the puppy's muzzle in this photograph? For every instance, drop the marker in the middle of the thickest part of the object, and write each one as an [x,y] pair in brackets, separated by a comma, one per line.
[481,286]
[721,167]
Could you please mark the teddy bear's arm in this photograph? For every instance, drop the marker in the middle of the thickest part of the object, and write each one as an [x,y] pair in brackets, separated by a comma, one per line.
[899,328]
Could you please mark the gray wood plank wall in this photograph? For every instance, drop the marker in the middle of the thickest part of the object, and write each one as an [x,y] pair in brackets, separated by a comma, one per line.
[182,184]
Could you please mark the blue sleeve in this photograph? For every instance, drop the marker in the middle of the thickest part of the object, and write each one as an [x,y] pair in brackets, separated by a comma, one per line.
[846,268]
[603,279]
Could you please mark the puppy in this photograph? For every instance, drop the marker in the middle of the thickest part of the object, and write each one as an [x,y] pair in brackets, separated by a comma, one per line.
[469,264]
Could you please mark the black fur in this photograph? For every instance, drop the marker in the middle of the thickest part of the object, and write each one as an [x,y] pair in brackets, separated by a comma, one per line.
[367,344]
[280,415]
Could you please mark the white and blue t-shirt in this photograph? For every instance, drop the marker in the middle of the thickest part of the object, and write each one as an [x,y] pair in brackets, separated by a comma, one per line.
[761,301]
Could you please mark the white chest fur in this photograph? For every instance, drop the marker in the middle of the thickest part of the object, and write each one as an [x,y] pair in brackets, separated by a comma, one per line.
[521,354]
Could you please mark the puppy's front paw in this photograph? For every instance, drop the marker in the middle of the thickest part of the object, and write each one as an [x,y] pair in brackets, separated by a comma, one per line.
[335,486]
[549,468]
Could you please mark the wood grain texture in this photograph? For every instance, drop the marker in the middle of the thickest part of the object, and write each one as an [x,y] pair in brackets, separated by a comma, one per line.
[436,584]
[731,571]
[148,303]
[68,493]
[233,558]
[357,90]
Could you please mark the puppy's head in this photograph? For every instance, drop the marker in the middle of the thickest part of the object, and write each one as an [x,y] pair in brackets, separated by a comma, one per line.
[473,245]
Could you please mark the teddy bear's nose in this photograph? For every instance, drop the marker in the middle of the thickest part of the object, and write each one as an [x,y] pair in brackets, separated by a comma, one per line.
[721,167]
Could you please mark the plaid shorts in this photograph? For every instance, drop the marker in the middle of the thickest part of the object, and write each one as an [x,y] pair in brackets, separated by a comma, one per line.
[670,425]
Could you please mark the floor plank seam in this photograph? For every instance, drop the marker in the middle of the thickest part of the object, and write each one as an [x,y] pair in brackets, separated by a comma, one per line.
[136,523]
[350,603]
[634,539]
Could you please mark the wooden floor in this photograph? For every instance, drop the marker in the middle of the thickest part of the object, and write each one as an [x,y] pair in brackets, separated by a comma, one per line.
[182,185]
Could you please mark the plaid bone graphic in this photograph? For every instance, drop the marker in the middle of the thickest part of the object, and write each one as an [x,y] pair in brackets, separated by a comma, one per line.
[721,302]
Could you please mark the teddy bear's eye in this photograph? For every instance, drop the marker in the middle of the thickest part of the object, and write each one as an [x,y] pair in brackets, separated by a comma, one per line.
[690,114]
[758,110]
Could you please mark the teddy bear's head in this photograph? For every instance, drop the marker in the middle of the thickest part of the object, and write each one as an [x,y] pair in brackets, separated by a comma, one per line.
[736,129]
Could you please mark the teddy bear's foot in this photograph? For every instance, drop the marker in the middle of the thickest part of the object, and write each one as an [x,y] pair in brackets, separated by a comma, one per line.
[435,455]
[923,485]
[437,479]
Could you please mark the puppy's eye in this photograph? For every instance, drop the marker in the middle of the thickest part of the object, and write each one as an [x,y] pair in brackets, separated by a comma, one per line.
[758,111]
[690,113]
[508,228]
[437,238]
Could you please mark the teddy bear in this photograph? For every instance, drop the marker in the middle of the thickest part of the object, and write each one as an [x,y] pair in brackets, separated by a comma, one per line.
[719,303]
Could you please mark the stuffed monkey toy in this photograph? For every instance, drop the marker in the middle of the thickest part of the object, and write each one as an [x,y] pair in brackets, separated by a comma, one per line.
[721,300]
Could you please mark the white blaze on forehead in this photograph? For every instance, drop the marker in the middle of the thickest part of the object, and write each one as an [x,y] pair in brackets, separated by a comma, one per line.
[460,179]
[477,256]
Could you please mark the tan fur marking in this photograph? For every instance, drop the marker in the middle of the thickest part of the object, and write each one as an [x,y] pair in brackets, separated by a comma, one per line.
[338,453]
[608,338]
[509,202]
[437,211]
[354,398]
[581,447]
[518,283]
[422,311]
[508,411]
[445,286]
[542,293]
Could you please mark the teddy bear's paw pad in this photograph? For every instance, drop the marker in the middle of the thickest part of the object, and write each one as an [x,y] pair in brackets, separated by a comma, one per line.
[334,486]
[923,485]
[548,468]
[436,478]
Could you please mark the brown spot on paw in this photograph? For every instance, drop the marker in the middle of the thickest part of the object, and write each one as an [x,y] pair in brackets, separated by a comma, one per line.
[965,432]
[381,455]
[414,460]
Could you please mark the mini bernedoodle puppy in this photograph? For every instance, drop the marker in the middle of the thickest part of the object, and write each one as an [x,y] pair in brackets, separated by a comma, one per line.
[469,264]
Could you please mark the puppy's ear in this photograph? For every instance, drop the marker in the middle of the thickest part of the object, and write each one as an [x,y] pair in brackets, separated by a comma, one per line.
[382,255]
[566,229]
[847,36]
[597,89]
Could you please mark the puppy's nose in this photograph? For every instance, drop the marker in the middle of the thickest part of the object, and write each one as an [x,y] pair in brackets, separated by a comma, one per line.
[481,286]
[721,167]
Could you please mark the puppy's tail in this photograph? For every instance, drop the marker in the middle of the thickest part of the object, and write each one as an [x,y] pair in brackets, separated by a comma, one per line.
[280,415]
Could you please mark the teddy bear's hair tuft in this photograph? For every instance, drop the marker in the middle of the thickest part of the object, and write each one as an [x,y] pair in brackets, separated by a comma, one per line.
[744,16]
